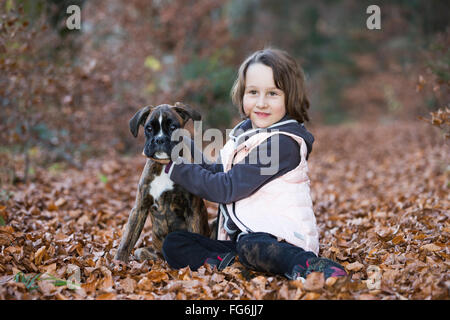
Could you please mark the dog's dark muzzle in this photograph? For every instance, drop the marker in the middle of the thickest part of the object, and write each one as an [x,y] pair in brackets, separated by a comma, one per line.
[158,148]
[160,141]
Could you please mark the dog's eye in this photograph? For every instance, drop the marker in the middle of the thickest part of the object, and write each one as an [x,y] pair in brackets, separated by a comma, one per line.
[172,127]
[148,129]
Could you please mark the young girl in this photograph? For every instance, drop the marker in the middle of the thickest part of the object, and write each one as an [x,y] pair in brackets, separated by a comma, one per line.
[265,215]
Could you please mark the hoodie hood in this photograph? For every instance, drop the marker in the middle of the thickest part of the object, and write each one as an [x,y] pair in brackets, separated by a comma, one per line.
[243,130]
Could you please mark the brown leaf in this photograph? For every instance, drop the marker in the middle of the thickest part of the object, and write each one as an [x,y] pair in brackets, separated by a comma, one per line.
[111,166]
[60,202]
[330,281]
[6,235]
[51,206]
[39,254]
[314,281]
[367,296]
[311,296]
[145,284]
[259,282]
[74,273]
[283,293]
[158,276]
[298,284]
[85,218]
[431,247]
[89,287]
[183,274]
[384,233]
[355,266]
[106,296]
[217,277]
[128,285]
[35,211]
[60,296]
[420,236]
[47,287]
[398,239]
[107,281]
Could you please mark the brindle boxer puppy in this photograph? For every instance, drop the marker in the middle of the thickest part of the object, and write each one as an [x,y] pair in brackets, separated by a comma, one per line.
[171,207]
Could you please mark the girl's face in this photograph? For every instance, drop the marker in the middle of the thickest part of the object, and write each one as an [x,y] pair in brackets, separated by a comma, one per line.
[263,101]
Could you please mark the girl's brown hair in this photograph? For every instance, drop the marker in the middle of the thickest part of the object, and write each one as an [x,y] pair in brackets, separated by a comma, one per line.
[288,77]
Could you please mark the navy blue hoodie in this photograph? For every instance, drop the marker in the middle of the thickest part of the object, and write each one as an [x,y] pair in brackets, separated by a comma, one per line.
[209,182]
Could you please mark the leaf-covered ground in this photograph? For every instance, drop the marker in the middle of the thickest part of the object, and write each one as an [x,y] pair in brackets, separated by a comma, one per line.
[381,198]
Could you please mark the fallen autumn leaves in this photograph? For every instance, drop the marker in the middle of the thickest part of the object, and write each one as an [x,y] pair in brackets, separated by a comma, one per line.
[381,198]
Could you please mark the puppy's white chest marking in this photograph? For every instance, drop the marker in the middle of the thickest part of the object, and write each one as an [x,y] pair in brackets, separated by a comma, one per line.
[160,184]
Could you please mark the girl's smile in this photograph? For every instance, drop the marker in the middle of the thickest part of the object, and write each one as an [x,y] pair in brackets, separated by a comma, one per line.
[262,114]
[263,102]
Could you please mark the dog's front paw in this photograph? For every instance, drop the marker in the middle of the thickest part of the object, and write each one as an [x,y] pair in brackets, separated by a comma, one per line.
[143,254]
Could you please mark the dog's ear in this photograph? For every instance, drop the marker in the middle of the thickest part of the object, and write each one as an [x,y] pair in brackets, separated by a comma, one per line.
[187,112]
[139,119]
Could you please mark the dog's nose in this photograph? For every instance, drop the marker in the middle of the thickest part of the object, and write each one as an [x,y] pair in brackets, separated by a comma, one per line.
[159,140]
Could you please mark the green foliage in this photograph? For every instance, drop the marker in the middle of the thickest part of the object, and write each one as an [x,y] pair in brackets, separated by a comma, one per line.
[214,93]
[218,77]
[439,64]
[57,167]
[219,116]
[392,102]
[30,281]
[103,178]
[152,63]
[32,8]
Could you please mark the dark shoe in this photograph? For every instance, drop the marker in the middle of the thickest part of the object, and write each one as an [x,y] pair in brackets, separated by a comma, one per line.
[221,261]
[298,273]
[327,266]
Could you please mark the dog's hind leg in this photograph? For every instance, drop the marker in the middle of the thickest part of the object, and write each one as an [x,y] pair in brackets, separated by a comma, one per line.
[198,219]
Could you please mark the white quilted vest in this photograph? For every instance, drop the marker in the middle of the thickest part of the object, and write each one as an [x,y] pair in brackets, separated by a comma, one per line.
[282,207]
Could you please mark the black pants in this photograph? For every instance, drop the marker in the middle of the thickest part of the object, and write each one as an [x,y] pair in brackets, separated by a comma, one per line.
[258,251]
